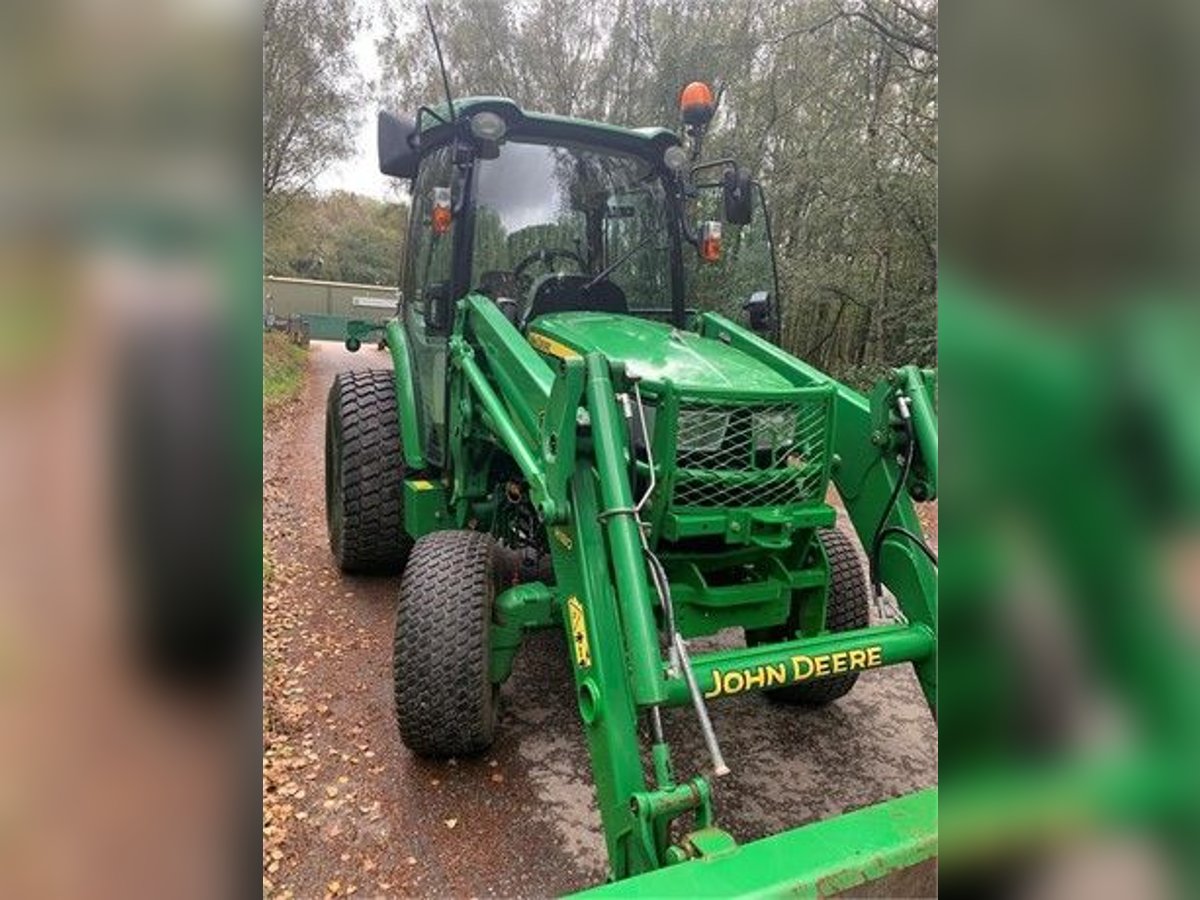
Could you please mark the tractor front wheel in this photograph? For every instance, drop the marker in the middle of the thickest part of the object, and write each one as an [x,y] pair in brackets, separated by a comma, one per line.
[847,609]
[445,700]
[364,474]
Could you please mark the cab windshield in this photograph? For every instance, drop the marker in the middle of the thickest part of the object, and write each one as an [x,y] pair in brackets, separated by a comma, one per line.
[568,226]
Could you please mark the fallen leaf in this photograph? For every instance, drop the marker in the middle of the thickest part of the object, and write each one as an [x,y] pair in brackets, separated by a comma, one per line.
[450,823]
[497,777]
[331,791]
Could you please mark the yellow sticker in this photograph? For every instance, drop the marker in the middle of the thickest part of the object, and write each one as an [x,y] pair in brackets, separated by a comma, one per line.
[794,670]
[551,346]
[579,635]
[563,538]
[422,485]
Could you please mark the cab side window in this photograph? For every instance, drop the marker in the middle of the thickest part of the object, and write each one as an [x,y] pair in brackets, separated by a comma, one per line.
[430,243]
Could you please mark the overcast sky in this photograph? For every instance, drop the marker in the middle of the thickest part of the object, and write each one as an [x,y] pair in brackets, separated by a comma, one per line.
[360,173]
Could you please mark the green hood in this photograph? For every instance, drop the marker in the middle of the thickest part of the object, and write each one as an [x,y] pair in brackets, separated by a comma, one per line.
[657,352]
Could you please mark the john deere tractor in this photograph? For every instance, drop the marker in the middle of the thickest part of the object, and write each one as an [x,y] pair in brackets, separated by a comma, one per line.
[589,425]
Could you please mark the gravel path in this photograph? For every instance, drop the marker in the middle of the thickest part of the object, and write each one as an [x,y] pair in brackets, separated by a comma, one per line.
[349,811]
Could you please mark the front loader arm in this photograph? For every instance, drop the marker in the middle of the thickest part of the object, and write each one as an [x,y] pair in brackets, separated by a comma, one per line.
[495,369]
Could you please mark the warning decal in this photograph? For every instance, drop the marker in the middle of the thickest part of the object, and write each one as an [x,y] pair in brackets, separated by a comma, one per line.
[579,636]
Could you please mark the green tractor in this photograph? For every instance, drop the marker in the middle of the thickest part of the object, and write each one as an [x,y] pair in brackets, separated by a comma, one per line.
[589,425]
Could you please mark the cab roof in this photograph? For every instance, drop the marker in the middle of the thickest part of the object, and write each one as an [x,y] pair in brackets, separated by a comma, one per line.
[530,124]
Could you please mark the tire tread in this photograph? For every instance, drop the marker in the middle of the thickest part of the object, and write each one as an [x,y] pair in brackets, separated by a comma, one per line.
[362,420]
[445,702]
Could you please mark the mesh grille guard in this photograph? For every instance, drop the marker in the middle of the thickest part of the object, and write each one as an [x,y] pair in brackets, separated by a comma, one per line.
[752,454]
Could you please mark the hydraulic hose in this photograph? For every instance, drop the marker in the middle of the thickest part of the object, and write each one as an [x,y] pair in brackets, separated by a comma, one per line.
[882,530]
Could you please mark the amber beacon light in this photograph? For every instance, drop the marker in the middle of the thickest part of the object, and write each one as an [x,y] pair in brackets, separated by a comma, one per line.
[696,103]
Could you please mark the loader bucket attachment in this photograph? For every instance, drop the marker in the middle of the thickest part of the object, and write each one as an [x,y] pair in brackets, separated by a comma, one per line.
[889,849]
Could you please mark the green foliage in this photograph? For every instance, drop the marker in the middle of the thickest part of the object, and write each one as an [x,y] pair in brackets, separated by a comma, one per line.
[283,370]
[339,237]
[832,105]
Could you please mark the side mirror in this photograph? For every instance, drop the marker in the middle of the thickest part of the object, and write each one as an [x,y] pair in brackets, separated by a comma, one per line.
[397,155]
[758,307]
[437,306]
[738,196]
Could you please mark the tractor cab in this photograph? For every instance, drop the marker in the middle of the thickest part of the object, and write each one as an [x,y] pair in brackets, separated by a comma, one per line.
[544,214]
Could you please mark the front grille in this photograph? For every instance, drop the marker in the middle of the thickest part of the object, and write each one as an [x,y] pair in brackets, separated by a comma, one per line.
[751,454]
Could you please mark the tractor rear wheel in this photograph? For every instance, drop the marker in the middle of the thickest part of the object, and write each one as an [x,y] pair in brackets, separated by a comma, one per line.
[364,474]
[445,699]
[847,609]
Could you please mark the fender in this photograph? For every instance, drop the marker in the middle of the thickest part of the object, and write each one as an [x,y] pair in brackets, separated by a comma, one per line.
[406,400]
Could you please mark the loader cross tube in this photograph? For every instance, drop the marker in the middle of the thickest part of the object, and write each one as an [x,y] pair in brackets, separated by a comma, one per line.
[731,672]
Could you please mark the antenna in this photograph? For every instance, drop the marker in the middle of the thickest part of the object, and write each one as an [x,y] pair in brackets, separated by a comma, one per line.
[441,63]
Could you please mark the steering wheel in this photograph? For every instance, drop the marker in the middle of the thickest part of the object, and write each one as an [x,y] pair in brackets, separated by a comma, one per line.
[545,257]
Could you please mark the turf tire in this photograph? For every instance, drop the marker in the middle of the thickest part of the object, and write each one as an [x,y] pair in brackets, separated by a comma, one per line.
[848,609]
[445,700]
[364,474]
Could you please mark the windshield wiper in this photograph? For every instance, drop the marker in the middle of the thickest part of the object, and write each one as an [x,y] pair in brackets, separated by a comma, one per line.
[612,267]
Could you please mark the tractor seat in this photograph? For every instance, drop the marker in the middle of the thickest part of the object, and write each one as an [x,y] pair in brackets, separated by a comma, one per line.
[497,283]
[565,293]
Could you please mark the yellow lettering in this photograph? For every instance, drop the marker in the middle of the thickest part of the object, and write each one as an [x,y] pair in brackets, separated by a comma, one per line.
[822,667]
[756,679]
[716,691]
[858,659]
[875,656]
[797,662]
[732,686]
[776,674]
[839,661]
[551,347]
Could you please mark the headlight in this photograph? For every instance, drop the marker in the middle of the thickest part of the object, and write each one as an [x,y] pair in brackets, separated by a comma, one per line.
[773,428]
[701,430]
[488,126]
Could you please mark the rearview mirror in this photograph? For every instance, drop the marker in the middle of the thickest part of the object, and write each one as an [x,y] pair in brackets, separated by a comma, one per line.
[758,308]
[738,197]
[397,155]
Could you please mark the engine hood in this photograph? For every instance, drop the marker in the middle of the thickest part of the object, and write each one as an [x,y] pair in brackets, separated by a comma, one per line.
[656,352]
